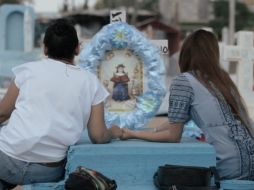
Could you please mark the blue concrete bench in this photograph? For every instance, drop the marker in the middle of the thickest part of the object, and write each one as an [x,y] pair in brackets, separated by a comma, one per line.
[237,185]
[132,163]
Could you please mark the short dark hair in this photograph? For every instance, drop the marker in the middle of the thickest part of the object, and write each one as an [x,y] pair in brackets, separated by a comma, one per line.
[61,39]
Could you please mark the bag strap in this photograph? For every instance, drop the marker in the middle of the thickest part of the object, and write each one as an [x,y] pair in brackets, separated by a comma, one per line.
[109,182]
[97,178]
[216,177]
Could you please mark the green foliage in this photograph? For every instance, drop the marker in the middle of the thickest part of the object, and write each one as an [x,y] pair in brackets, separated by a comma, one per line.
[144,4]
[150,5]
[243,17]
[10,2]
[100,4]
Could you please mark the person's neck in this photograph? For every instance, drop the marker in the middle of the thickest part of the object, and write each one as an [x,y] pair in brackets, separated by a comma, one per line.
[64,60]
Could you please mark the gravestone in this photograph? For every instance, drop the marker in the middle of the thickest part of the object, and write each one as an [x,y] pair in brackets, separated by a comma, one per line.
[16,41]
[17,28]
[243,55]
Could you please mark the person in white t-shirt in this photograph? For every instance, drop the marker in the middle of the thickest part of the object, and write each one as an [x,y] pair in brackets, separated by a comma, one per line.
[48,105]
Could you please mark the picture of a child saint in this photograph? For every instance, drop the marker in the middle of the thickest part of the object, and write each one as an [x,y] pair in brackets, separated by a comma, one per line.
[121,72]
[120,88]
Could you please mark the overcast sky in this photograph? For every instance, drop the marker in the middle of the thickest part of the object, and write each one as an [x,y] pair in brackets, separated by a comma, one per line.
[55,5]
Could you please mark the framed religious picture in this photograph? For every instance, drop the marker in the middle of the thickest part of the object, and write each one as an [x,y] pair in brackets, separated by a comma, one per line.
[130,67]
[121,72]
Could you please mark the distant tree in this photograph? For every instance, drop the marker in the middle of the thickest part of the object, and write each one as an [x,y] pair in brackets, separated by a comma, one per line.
[100,4]
[10,2]
[65,6]
[143,4]
[151,5]
[85,5]
[243,17]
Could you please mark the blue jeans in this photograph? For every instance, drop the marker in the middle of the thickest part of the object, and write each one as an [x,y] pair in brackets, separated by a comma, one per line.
[15,172]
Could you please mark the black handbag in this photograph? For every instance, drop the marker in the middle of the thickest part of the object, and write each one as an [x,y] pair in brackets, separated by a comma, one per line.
[86,179]
[175,177]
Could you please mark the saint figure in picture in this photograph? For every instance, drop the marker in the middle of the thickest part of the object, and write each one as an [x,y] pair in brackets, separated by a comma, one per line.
[120,88]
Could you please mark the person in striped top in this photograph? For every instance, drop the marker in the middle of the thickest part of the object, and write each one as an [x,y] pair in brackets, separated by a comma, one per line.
[204,93]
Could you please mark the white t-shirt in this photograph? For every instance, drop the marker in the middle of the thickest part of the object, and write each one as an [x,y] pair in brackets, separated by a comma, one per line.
[52,109]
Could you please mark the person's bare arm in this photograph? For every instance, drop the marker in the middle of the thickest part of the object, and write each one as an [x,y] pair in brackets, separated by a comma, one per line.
[7,104]
[97,129]
[167,132]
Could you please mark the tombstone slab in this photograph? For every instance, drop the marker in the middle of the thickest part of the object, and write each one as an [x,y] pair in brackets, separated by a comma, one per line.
[243,54]
[17,28]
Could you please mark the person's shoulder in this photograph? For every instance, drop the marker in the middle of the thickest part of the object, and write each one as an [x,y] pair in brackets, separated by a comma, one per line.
[88,74]
[32,63]
[182,81]
[181,78]
[181,85]
[28,65]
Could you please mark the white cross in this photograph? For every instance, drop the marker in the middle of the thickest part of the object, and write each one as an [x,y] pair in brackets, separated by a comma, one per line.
[243,53]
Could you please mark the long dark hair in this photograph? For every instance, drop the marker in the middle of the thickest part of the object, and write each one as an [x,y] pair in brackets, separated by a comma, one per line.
[200,54]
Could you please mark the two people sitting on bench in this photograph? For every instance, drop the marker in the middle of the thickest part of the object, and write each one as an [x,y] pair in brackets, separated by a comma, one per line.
[50,102]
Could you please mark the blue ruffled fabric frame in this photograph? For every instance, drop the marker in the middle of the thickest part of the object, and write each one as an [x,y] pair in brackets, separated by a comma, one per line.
[123,36]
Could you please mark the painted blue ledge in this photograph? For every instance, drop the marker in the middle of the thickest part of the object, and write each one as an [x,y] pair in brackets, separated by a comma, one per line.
[237,185]
[132,163]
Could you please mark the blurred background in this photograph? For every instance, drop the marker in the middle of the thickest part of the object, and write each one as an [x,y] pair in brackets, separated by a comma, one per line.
[172,20]
[179,16]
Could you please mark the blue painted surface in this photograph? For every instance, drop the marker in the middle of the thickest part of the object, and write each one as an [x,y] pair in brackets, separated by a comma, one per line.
[14,31]
[237,185]
[10,59]
[132,163]
[12,27]
[14,48]
[44,186]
